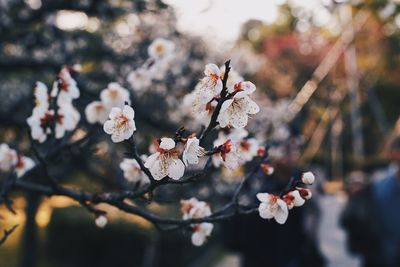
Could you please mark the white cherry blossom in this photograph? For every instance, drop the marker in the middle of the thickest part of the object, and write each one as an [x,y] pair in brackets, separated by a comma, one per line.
[165,162]
[248,149]
[235,111]
[272,206]
[96,112]
[195,209]
[8,158]
[133,172]
[201,232]
[228,156]
[308,178]
[293,199]
[23,165]
[304,193]
[161,49]
[139,79]
[237,135]
[65,87]
[267,168]
[42,97]
[211,85]
[193,151]
[67,120]
[114,96]
[121,124]
[40,125]
[101,221]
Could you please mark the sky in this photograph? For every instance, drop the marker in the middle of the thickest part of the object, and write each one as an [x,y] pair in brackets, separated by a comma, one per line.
[220,20]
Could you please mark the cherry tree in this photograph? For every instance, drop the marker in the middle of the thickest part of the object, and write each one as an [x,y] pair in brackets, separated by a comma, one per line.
[216,141]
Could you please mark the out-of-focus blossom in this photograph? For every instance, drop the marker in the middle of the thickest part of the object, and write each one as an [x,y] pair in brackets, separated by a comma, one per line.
[272,206]
[165,162]
[267,168]
[248,148]
[201,232]
[121,124]
[139,79]
[65,87]
[101,221]
[8,158]
[293,199]
[161,48]
[67,120]
[235,111]
[211,85]
[195,209]
[114,96]
[237,135]
[23,165]
[304,193]
[193,151]
[308,178]
[42,97]
[133,172]
[96,112]
[228,156]
[40,125]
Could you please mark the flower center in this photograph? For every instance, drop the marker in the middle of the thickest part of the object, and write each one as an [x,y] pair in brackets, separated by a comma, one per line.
[122,121]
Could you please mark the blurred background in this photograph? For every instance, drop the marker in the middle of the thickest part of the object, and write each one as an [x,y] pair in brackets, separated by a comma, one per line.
[327,74]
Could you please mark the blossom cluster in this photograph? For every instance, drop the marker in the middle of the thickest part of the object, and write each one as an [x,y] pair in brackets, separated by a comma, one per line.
[10,160]
[195,209]
[218,99]
[161,52]
[235,110]
[277,207]
[54,111]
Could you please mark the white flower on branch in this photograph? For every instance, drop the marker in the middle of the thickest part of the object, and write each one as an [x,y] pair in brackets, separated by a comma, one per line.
[235,111]
[41,123]
[211,85]
[227,155]
[248,149]
[65,87]
[272,206]
[165,162]
[8,158]
[67,120]
[195,209]
[202,112]
[201,232]
[96,112]
[114,96]
[293,199]
[133,172]
[161,49]
[42,97]
[305,193]
[267,168]
[121,124]
[308,178]
[23,165]
[193,151]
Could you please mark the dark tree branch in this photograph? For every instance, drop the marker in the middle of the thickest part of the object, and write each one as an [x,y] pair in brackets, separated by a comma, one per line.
[213,121]
[7,233]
